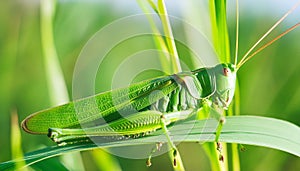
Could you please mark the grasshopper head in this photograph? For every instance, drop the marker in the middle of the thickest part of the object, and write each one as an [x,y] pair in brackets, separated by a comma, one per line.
[225,84]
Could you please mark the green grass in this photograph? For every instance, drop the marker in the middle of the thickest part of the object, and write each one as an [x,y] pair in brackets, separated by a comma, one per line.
[275,93]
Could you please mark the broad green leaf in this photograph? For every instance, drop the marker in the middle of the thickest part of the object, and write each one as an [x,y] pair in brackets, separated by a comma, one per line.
[56,84]
[219,29]
[252,130]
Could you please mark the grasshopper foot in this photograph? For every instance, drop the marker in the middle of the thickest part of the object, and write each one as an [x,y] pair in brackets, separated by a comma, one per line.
[154,149]
[148,162]
[174,156]
[219,148]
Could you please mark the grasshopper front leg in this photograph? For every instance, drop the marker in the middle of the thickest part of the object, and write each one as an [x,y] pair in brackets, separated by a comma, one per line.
[170,142]
[211,109]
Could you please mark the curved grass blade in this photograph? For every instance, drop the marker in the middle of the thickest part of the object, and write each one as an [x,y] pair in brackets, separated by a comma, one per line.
[219,29]
[252,130]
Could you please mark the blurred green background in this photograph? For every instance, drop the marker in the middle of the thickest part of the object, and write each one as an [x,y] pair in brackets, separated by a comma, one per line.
[269,83]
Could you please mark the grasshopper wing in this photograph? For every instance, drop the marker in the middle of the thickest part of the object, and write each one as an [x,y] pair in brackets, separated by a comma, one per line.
[104,107]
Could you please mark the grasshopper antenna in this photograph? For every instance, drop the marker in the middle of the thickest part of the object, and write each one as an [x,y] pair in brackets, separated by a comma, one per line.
[246,57]
[268,44]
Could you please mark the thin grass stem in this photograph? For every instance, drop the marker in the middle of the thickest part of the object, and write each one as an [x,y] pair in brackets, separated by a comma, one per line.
[56,83]
[176,67]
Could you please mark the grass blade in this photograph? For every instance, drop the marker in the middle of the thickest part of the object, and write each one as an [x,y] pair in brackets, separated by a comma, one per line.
[56,84]
[167,45]
[219,29]
[16,147]
[169,36]
[222,46]
[158,39]
[252,130]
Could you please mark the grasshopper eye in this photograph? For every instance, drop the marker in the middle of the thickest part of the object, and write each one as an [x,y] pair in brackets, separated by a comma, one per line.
[226,71]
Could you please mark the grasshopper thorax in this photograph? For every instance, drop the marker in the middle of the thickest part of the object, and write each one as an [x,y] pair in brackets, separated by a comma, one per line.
[217,83]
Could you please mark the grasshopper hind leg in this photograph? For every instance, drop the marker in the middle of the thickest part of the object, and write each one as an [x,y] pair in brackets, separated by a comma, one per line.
[169,141]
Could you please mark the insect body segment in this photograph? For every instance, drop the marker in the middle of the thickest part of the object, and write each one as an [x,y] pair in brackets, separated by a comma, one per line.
[177,100]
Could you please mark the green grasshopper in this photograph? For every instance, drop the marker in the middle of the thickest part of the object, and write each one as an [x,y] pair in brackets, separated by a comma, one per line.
[143,107]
